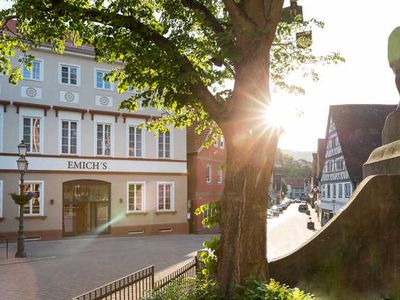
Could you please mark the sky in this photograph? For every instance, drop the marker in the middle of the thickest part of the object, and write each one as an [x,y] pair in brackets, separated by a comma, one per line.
[358,30]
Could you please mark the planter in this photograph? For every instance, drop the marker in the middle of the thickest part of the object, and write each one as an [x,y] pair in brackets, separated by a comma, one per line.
[22,199]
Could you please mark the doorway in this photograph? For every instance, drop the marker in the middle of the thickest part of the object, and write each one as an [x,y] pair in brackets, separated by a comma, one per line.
[86,207]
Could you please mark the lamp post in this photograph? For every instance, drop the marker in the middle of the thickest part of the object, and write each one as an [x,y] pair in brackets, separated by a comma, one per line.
[333,206]
[22,165]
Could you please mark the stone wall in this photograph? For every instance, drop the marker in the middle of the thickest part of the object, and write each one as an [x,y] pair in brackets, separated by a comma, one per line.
[357,254]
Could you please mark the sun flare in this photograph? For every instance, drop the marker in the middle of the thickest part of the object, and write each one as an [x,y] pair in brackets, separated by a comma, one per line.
[281,114]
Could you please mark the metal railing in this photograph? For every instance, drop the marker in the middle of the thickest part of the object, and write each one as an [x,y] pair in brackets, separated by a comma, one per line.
[131,287]
[187,271]
[138,285]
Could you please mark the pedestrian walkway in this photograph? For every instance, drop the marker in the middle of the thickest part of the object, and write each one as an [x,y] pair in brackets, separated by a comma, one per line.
[65,268]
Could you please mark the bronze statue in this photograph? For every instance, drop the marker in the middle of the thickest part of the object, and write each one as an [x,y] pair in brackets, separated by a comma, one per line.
[394,54]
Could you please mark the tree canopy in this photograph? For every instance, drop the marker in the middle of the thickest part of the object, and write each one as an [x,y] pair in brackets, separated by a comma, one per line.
[204,61]
[183,55]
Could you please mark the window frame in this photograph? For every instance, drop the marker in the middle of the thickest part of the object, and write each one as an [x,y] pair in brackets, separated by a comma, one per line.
[41,70]
[172,196]
[41,134]
[143,204]
[1,198]
[208,174]
[103,123]
[349,185]
[78,74]
[220,174]
[170,145]
[103,81]
[41,198]
[1,130]
[78,136]
[222,142]
[142,139]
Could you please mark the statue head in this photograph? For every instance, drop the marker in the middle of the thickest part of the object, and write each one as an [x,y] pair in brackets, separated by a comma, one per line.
[394,54]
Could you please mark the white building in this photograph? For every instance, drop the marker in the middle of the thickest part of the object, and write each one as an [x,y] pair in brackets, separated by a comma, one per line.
[353,131]
[92,168]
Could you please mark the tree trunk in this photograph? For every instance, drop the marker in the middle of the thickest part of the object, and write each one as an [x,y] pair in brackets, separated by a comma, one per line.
[242,253]
[251,146]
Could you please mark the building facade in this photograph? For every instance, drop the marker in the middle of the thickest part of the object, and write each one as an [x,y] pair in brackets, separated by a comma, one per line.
[206,175]
[353,131]
[92,167]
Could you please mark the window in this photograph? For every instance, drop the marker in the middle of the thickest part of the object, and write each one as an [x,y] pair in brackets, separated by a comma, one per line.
[222,142]
[1,198]
[135,141]
[1,132]
[31,134]
[103,135]
[347,190]
[133,90]
[216,142]
[329,191]
[100,82]
[323,190]
[334,190]
[165,196]
[69,74]
[35,205]
[164,145]
[208,174]
[340,190]
[35,73]
[69,137]
[136,196]
[220,175]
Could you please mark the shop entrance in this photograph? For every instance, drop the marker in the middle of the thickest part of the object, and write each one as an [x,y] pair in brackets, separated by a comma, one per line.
[86,207]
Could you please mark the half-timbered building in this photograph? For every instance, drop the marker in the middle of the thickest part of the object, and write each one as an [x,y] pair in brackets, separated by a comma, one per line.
[353,131]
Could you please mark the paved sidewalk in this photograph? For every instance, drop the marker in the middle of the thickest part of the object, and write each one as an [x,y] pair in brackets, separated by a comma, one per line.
[66,268]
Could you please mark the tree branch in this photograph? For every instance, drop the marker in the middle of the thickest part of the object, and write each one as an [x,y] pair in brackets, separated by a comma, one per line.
[210,18]
[121,21]
[238,16]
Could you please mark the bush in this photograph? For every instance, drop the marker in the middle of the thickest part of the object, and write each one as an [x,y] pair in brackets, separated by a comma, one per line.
[257,290]
[188,289]
[195,289]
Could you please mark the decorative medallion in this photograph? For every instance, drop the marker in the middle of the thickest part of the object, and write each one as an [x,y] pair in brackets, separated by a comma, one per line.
[31,92]
[69,97]
[104,101]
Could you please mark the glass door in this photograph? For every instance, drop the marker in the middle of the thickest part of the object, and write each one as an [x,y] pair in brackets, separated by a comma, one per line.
[86,207]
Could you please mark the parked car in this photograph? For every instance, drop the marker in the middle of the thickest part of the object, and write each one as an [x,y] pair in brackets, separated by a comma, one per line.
[303,207]
[297,200]
[275,210]
[269,214]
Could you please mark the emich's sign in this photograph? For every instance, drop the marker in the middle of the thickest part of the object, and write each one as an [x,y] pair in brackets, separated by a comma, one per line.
[87,165]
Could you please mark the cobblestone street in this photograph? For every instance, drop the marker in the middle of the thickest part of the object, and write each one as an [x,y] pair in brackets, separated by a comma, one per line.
[65,268]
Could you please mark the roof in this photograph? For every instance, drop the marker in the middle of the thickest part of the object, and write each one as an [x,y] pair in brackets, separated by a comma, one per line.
[321,156]
[69,45]
[359,128]
[297,183]
[195,141]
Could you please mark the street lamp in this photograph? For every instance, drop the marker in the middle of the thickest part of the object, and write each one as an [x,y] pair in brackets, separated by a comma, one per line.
[22,165]
[333,205]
